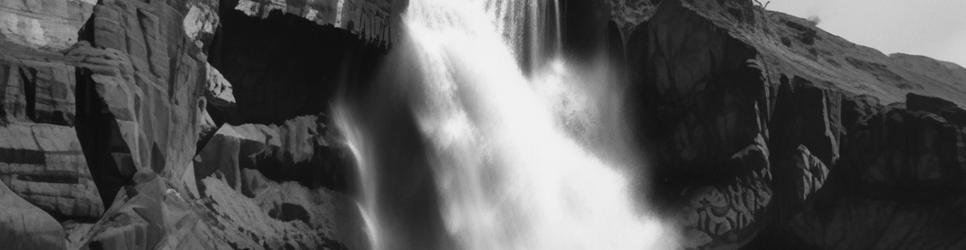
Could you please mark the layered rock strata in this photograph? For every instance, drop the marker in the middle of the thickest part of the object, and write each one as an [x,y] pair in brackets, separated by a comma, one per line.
[106,107]
[200,124]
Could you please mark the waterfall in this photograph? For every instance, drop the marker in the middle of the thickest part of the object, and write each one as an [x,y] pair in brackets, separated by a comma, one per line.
[507,173]
[529,28]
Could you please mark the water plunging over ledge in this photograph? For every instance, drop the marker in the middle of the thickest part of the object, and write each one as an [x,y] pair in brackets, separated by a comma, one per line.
[507,173]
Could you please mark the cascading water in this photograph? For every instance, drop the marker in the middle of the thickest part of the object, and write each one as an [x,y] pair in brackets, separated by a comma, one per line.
[508,175]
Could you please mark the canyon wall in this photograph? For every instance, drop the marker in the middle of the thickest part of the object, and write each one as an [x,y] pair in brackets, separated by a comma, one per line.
[203,124]
[768,133]
[119,131]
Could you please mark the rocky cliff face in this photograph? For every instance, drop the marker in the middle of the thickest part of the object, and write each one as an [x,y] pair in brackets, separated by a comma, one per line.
[628,14]
[202,124]
[768,132]
[121,127]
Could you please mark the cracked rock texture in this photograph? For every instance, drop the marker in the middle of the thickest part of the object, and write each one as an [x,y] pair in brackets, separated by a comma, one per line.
[853,149]
[203,124]
[117,130]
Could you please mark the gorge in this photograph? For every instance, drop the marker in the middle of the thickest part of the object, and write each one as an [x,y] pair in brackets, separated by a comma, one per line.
[468,124]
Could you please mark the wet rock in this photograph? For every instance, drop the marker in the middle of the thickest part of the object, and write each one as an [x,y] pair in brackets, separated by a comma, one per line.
[741,95]
[369,19]
[839,145]
[702,113]
[729,214]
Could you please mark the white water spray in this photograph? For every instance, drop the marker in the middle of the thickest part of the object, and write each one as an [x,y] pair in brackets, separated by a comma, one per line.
[508,175]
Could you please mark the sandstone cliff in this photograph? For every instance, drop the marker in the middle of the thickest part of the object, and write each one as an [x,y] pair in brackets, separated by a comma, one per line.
[202,124]
[114,128]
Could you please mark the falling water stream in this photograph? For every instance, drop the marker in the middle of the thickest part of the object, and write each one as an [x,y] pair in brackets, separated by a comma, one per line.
[508,174]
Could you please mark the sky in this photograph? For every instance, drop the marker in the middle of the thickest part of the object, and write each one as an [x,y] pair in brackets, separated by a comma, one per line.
[934,28]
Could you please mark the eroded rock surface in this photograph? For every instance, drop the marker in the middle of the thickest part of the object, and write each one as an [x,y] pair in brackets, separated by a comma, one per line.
[44,24]
[40,154]
[839,143]
[106,107]
[368,19]
[303,149]
[628,14]
[24,226]
[201,124]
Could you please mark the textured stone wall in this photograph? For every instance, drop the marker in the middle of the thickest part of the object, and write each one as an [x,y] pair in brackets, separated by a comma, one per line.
[369,19]
[767,133]
[103,109]
[40,155]
[117,131]
[43,24]
[628,14]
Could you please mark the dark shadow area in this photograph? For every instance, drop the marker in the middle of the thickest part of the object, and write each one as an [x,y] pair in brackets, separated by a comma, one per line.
[100,139]
[585,28]
[284,66]
[99,134]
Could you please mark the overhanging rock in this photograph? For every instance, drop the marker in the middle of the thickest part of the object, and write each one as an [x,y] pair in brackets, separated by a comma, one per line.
[369,19]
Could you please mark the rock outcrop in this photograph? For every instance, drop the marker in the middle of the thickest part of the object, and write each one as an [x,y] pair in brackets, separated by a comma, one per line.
[40,155]
[840,154]
[303,149]
[109,129]
[202,124]
[44,164]
[628,14]
[371,20]
[24,226]
[272,63]
[43,24]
